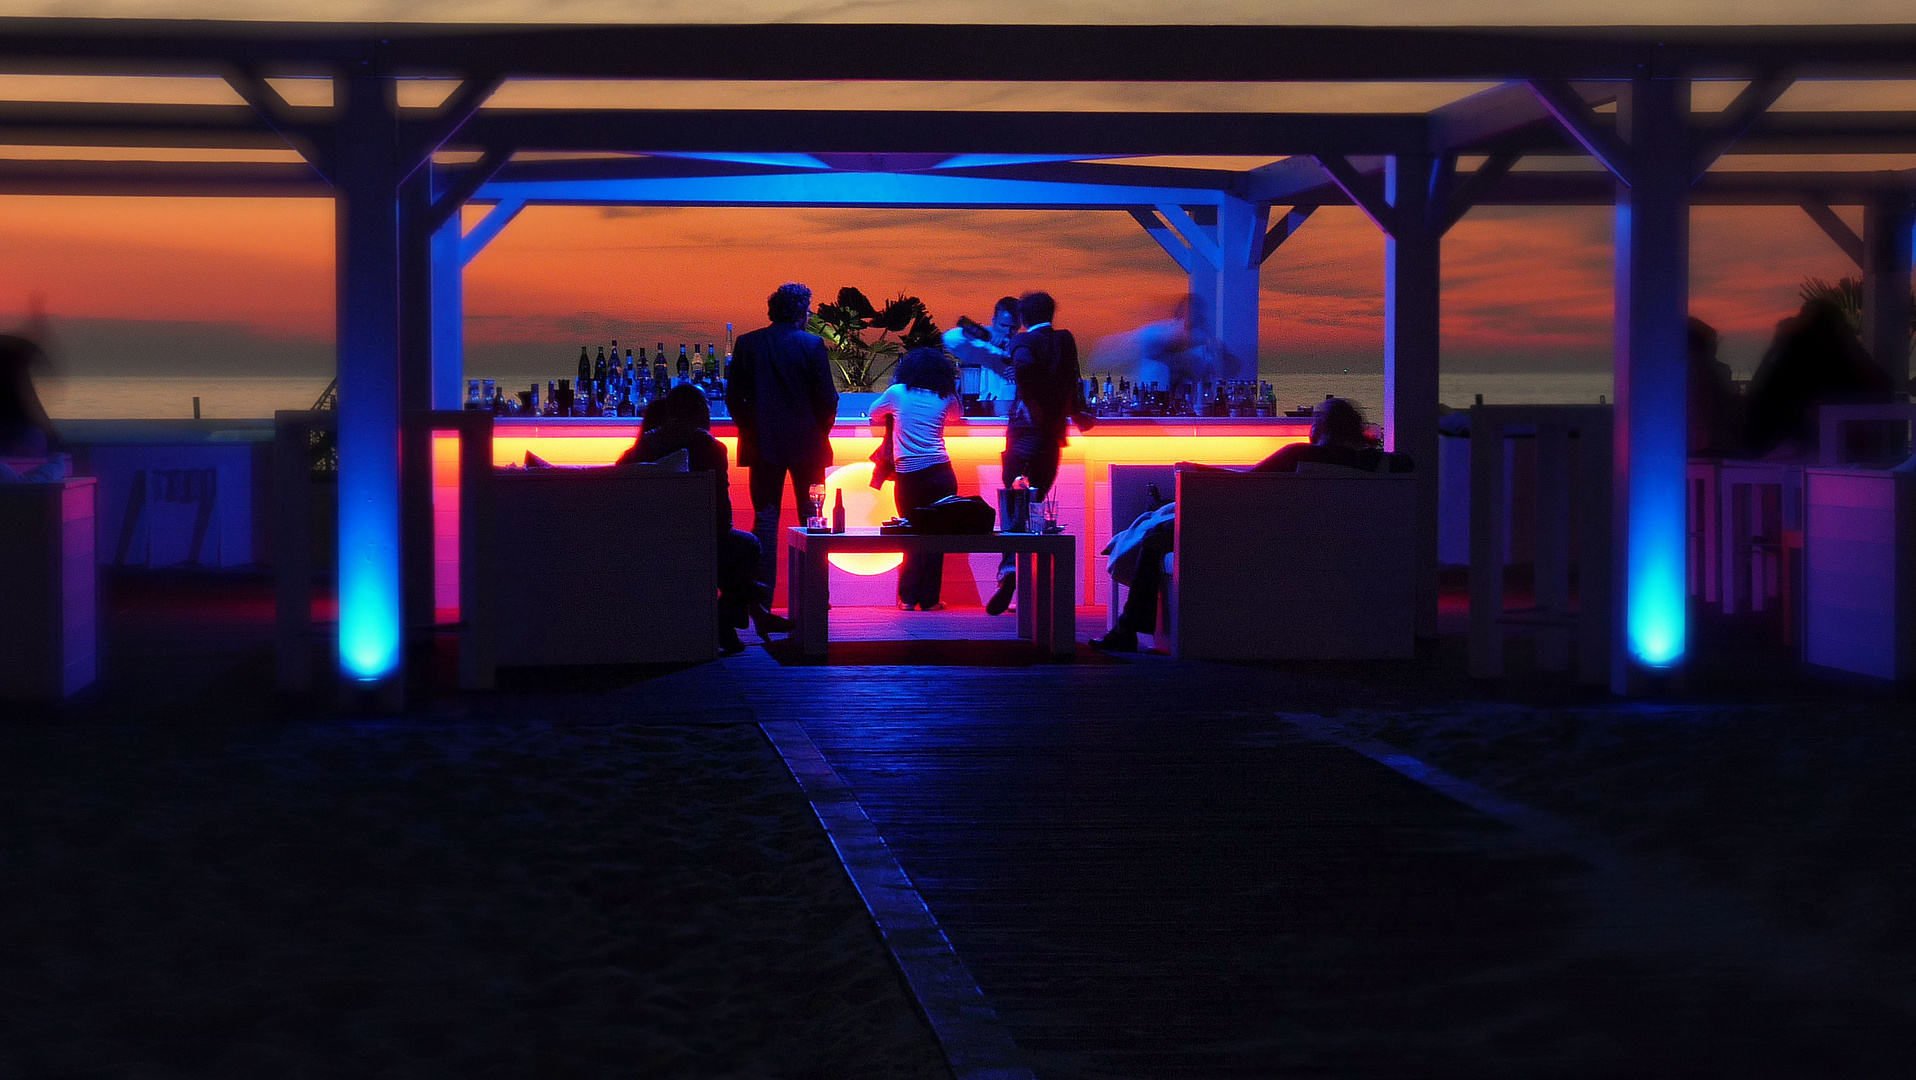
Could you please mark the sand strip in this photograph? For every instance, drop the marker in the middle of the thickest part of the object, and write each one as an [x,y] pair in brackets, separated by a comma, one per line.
[974,1040]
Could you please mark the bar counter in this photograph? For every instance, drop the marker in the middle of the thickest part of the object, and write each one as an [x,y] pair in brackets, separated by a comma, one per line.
[975,444]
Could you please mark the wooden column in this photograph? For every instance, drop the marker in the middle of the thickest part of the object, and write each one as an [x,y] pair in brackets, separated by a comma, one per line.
[1652,415]
[416,391]
[1888,221]
[366,181]
[1412,334]
[1240,242]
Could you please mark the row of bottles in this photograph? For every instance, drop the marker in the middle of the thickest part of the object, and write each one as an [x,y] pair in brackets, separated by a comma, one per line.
[1118,396]
[611,384]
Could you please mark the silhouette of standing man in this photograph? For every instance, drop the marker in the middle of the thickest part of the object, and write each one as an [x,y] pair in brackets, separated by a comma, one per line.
[782,397]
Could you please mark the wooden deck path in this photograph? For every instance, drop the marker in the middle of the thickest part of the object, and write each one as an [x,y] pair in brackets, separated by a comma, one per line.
[1148,872]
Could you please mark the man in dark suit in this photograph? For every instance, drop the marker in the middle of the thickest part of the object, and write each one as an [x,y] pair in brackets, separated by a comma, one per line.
[1042,363]
[782,397]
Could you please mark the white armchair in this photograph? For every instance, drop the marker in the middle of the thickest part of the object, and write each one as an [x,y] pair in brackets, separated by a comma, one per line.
[1318,564]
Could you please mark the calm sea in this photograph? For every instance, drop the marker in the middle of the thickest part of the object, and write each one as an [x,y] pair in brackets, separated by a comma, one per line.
[231,397]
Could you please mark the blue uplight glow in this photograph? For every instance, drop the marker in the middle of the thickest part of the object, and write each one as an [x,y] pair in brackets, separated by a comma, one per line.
[369,588]
[1657,396]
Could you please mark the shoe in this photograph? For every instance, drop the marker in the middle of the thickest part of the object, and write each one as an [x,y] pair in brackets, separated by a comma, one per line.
[729,643]
[1118,640]
[936,605]
[906,605]
[1000,600]
[769,624]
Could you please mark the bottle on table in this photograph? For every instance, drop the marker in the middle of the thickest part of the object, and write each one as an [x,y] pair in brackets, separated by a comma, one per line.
[838,511]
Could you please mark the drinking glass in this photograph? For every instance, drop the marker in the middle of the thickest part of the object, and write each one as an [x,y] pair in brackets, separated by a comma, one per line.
[816,498]
[1051,513]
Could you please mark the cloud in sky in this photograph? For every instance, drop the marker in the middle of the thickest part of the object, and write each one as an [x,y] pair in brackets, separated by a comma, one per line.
[1523,288]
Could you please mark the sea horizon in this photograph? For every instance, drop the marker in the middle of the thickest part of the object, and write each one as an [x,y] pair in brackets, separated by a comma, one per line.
[236,397]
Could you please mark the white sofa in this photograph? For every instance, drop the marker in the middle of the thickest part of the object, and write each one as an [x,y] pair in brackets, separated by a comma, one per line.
[603,566]
[1317,564]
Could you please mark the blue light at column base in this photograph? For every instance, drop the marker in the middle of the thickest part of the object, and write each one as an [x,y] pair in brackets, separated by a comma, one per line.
[368,631]
[1658,626]
[370,613]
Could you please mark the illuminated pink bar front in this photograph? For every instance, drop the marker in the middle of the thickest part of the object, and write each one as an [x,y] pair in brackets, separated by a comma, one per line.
[1082,488]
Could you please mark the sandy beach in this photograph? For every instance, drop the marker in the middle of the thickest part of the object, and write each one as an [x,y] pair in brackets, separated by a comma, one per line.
[509,891]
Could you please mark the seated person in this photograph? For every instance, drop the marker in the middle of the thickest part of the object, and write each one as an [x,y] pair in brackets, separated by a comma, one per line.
[922,400]
[681,420]
[1337,438]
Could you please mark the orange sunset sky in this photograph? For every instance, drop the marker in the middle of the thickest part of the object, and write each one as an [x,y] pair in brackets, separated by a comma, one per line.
[222,285]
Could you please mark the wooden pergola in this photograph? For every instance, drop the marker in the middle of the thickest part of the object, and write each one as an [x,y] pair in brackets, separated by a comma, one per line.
[399,177]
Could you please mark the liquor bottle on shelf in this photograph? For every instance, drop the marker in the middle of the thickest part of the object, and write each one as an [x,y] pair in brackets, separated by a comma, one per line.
[628,360]
[661,378]
[532,402]
[685,364]
[488,391]
[698,367]
[615,370]
[838,512]
[585,365]
[472,394]
[712,368]
[598,367]
[552,399]
[564,397]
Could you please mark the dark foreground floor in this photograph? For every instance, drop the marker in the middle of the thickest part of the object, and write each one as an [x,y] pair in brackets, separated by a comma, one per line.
[576,885]
[1149,868]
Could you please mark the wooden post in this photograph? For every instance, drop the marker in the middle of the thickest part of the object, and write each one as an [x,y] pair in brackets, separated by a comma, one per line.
[366,183]
[1240,242]
[416,395]
[1412,333]
[1888,221]
[1652,414]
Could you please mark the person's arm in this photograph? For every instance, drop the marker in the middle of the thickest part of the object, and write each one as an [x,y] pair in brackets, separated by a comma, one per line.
[886,405]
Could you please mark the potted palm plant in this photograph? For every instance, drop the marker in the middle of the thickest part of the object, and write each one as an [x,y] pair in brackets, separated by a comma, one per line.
[862,363]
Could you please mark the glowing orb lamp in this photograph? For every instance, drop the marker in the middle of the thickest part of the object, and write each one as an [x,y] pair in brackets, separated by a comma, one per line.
[864,507]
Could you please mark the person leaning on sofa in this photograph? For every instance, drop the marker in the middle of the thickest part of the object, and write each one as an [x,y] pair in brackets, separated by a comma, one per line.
[1337,438]
[682,420]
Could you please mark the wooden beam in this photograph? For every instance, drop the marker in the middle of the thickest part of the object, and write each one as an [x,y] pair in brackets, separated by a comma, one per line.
[1836,229]
[1285,228]
[1580,122]
[979,50]
[1202,244]
[430,135]
[488,228]
[1474,187]
[466,183]
[1167,239]
[1741,114]
[313,143]
[1363,194]
[828,131]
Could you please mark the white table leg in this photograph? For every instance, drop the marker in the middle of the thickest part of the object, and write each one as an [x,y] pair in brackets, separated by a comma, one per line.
[815,631]
[1041,602]
[1063,605]
[1027,575]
